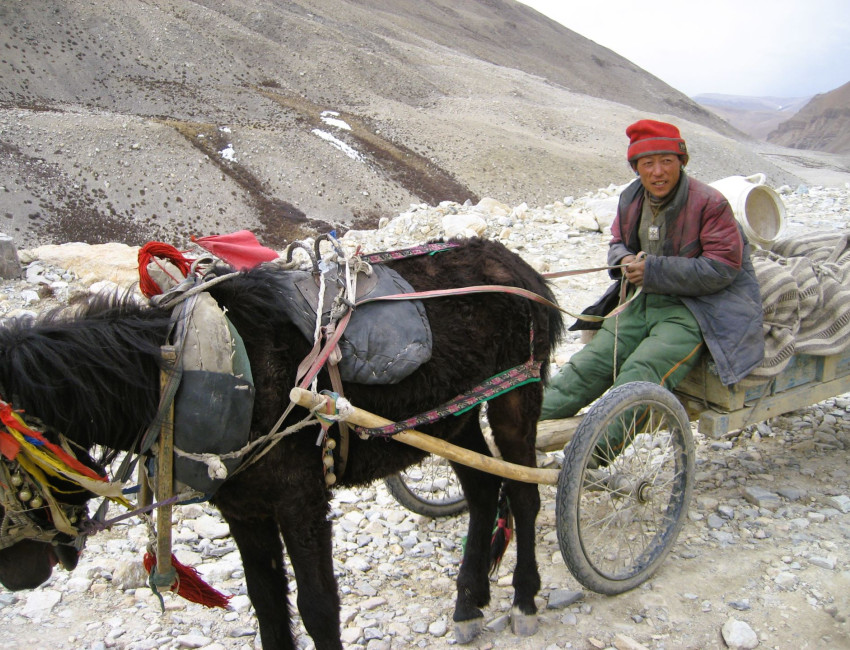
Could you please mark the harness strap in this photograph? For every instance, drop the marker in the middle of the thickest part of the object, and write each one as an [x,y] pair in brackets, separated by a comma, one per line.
[177,499]
[404,253]
[342,455]
[309,361]
[326,351]
[496,288]
[563,274]
[496,385]
[461,291]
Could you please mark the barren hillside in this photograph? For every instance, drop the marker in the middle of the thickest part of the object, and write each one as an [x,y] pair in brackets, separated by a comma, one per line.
[823,124]
[755,116]
[130,120]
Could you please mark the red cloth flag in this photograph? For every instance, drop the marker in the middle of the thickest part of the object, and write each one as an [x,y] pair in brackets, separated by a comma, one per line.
[239,249]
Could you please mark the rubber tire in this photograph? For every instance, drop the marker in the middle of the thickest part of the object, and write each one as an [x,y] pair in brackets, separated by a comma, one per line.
[577,499]
[402,487]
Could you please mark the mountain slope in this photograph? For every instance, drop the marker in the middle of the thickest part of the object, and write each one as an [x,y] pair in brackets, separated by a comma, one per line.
[755,116]
[822,125]
[133,120]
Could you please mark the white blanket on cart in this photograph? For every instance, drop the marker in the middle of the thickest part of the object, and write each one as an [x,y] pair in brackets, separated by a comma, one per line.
[805,287]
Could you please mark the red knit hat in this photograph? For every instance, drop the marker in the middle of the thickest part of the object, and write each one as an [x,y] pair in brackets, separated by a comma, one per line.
[648,137]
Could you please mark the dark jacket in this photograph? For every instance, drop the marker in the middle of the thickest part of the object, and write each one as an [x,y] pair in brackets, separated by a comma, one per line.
[706,262]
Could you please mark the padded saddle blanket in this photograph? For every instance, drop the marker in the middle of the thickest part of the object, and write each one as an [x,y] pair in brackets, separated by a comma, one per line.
[384,341]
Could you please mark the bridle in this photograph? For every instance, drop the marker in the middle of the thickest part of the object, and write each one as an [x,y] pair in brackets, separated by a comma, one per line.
[26,515]
[34,473]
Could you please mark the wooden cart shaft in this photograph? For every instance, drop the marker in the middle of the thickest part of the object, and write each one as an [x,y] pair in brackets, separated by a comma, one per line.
[436,446]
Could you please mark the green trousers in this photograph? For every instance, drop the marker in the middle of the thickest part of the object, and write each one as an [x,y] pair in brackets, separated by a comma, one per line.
[657,339]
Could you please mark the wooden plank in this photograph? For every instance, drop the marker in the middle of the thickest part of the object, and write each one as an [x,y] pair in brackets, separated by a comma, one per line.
[801,369]
[715,423]
[835,365]
[552,435]
[828,368]
[702,384]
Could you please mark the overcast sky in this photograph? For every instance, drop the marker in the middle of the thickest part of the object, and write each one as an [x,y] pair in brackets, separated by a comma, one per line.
[756,48]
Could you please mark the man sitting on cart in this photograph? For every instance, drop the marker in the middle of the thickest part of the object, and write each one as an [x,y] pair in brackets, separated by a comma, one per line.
[683,250]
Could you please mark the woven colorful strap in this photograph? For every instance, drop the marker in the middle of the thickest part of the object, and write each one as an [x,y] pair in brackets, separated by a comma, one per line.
[493,387]
[403,253]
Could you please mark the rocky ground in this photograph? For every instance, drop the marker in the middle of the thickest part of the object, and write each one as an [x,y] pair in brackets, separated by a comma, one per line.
[763,560]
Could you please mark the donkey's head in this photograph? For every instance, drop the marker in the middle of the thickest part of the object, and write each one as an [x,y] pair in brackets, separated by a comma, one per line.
[43,515]
[29,563]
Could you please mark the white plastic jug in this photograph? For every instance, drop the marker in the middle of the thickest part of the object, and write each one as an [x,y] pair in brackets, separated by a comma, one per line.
[756,206]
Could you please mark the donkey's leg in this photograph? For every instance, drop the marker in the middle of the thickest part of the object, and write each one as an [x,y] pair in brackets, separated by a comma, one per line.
[525,505]
[308,537]
[513,418]
[482,494]
[262,558]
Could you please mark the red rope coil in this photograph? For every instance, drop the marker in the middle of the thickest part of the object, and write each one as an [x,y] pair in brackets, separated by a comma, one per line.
[155,251]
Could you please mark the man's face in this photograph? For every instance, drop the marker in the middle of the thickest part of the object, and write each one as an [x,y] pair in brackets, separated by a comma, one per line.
[659,173]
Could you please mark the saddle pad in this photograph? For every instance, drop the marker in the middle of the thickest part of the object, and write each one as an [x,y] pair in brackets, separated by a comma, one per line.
[212,416]
[214,402]
[384,341]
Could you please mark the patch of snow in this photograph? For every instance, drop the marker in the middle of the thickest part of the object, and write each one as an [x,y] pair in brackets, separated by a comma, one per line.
[228,153]
[330,118]
[339,144]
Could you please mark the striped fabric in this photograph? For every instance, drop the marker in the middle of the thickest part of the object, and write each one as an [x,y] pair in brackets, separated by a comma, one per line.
[806,299]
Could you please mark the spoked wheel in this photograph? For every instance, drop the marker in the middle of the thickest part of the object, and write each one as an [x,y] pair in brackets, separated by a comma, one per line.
[624,491]
[430,488]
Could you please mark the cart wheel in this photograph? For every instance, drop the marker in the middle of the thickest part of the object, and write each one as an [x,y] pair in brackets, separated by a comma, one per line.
[620,513]
[430,488]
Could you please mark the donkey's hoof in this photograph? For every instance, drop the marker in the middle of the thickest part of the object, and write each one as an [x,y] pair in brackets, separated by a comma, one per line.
[466,631]
[523,624]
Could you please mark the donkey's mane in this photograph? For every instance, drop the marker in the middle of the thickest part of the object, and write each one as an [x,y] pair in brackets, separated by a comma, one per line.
[83,368]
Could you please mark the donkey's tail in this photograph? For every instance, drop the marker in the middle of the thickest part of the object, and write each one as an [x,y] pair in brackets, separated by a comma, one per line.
[502,531]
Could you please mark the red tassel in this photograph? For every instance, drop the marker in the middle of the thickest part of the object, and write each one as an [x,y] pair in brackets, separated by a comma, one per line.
[163,251]
[500,541]
[189,584]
